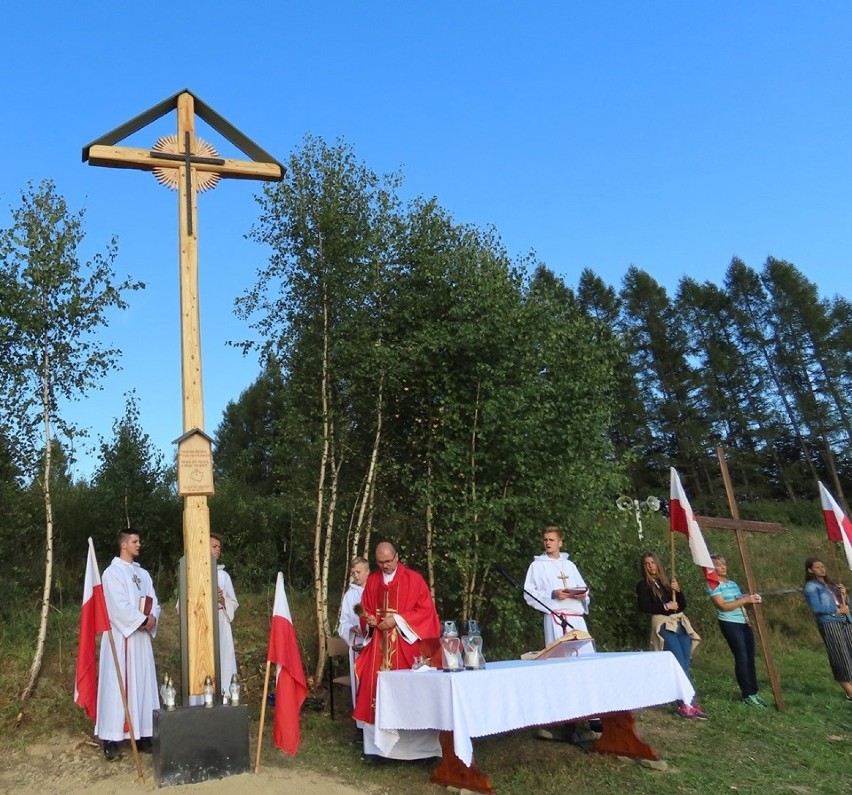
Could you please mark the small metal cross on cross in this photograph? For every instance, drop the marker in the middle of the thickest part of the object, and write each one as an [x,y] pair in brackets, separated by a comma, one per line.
[188,159]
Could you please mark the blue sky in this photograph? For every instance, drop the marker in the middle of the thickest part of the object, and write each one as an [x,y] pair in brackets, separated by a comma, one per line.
[667,135]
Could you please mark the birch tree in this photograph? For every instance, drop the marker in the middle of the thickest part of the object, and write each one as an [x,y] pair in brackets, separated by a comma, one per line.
[317,306]
[53,306]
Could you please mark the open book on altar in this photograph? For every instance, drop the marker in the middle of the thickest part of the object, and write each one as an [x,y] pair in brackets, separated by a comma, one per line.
[569,645]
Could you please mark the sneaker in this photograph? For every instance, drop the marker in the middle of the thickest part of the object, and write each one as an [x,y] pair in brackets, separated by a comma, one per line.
[754,701]
[698,713]
[761,701]
[685,711]
[544,734]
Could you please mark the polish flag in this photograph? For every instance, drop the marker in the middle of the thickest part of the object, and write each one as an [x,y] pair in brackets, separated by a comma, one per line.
[837,524]
[682,520]
[94,620]
[290,684]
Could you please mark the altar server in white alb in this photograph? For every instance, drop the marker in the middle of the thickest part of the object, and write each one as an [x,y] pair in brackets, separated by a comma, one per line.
[349,626]
[133,613]
[557,583]
[228,604]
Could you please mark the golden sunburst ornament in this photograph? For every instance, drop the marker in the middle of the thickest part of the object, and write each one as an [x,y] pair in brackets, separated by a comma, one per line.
[205,180]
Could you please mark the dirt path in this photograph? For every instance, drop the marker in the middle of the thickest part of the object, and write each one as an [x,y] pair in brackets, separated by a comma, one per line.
[75,765]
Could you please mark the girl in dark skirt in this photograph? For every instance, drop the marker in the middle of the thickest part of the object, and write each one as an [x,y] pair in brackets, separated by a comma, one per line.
[827,600]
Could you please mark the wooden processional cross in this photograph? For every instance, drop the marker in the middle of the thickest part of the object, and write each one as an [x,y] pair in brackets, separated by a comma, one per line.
[189,165]
[740,527]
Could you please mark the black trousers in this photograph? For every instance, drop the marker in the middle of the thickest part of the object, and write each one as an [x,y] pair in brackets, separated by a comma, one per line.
[740,638]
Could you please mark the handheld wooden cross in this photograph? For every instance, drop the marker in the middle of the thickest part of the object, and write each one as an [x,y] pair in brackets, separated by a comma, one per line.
[741,526]
[190,165]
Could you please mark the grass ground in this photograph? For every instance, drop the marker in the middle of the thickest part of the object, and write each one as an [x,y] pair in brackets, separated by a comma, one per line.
[805,749]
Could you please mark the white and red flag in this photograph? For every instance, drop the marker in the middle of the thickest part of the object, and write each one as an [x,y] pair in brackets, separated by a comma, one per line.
[682,520]
[290,684]
[837,524]
[94,620]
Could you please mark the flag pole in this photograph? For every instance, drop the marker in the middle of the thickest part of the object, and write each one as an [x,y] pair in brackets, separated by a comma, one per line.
[833,546]
[671,529]
[262,718]
[124,702]
[672,545]
[121,688]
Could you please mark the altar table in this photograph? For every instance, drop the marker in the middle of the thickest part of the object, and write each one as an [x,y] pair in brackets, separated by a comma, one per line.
[516,694]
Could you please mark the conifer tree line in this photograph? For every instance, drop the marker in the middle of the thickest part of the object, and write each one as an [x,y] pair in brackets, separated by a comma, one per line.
[418,384]
[759,365]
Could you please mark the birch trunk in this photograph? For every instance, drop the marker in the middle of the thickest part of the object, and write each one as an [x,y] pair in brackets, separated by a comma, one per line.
[35,668]
[320,588]
[469,578]
[430,557]
[370,480]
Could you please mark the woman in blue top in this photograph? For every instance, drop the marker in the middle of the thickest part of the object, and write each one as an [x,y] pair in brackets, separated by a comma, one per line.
[733,622]
[828,603]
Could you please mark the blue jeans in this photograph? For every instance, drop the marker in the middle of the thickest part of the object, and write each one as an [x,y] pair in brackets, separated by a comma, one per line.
[741,641]
[680,644]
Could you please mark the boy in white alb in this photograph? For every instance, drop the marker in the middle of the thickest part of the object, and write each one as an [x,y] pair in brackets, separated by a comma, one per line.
[349,626]
[133,613]
[556,582]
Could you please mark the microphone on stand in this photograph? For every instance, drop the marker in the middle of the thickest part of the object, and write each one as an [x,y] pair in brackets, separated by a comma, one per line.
[558,616]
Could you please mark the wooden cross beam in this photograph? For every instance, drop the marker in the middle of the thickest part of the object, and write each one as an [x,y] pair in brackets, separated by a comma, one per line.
[740,527]
[192,167]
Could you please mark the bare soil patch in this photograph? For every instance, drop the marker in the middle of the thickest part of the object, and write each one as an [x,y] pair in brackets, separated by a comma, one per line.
[73,765]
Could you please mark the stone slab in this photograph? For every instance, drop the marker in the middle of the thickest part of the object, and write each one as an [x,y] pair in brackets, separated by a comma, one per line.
[193,744]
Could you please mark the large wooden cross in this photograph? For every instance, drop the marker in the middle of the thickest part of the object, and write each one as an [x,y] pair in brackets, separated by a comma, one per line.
[740,527]
[190,165]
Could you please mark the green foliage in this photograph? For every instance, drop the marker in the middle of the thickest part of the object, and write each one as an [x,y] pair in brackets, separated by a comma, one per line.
[132,486]
[18,517]
[256,532]
[485,398]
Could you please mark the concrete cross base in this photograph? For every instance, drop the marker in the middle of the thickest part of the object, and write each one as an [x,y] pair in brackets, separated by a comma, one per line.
[193,744]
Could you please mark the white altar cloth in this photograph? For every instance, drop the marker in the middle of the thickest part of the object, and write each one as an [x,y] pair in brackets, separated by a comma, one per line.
[514,694]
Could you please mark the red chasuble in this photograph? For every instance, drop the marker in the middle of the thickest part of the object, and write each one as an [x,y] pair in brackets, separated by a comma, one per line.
[408,596]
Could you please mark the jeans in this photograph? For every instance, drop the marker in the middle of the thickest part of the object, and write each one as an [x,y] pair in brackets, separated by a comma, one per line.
[680,644]
[741,640]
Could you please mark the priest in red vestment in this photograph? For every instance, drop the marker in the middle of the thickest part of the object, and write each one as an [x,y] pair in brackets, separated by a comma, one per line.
[398,610]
